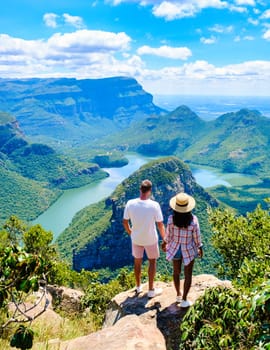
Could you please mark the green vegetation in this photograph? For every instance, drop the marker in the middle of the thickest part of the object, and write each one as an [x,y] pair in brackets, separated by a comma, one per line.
[234,142]
[110,160]
[85,227]
[33,175]
[97,229]
[241,198]
[20,195]
[28,261]
[237,318]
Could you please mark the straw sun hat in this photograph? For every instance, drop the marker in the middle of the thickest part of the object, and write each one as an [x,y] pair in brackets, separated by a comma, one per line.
[182,203]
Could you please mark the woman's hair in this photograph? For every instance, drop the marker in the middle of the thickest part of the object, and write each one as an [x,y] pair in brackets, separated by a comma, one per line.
[182,219]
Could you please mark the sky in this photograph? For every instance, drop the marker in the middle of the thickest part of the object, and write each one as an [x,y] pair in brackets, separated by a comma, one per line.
[173,47]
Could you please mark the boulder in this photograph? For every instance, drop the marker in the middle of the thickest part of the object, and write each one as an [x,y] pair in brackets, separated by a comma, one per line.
[129,333]
[66,299]
[162,311]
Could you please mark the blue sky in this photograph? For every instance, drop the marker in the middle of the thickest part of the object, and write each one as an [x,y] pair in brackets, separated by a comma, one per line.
[175,47]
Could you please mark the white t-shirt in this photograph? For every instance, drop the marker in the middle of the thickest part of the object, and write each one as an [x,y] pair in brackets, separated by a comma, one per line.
[143,215]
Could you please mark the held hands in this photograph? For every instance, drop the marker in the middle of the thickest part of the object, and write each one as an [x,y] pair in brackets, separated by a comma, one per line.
[164,246]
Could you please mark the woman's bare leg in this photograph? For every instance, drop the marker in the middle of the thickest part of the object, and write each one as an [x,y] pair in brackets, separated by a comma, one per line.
[188,278]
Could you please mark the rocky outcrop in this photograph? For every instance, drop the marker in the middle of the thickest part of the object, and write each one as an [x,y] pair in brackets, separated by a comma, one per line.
[162,311]
[111,245]
[134,322]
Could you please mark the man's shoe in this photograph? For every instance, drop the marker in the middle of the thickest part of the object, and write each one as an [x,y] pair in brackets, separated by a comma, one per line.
[138,290]
[185,303]
[154,292]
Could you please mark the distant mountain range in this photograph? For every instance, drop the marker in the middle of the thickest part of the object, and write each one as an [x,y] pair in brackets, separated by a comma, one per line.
[234,142]
[116,114]
[97,121]
[73,112]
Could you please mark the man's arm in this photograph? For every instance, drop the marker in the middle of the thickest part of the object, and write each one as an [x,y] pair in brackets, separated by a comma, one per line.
[161,229]
[127,226]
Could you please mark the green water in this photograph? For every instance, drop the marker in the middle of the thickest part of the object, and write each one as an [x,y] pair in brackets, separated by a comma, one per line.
[60,214]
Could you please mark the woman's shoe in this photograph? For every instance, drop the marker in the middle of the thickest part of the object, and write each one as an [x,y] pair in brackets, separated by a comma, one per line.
[185,303]
[179,298]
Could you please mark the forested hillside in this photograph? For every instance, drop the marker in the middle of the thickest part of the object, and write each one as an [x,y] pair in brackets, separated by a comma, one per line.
[33,175]
[234,142]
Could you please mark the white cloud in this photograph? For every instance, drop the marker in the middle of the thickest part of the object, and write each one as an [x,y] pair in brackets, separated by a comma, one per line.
[245,2]
[266,35]
[171,10]
[50,20]
[53,20]
[239,9]
[97,54]
[200,77]
[61,54]
[266,14]
[181,53]
[74,21]
[249,37]
[221,29]
[255,22]
[208,41]
[87,41]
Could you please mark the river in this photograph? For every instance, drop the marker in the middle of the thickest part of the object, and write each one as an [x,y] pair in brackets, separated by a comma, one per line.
[58,216]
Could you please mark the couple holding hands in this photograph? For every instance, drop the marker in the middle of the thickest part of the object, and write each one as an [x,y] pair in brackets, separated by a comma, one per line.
[181,240]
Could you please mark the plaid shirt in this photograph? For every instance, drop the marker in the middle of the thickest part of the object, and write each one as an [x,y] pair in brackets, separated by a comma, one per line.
[189,238]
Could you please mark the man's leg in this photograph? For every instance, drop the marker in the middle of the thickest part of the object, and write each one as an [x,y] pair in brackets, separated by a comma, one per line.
[151,272]
[176,275]
[188,278]
[138,270]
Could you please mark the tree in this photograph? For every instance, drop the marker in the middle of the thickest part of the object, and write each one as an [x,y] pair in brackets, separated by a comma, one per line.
[243,242]
[22,271]
[237,318]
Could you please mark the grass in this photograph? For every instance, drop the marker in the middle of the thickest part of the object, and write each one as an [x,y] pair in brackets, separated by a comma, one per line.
[49,334]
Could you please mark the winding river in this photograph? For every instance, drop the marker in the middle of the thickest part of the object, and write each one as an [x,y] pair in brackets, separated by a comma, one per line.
[57,217]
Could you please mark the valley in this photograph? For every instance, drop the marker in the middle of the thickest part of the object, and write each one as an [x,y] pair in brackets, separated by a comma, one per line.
[60,140]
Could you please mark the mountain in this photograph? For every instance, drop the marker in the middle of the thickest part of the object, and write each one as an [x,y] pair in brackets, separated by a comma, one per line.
[160,135]
[234,142]
[34,175]
[71,111]
[96,236]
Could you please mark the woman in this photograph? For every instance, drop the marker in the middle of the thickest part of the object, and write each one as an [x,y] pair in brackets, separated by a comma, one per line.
[182,242]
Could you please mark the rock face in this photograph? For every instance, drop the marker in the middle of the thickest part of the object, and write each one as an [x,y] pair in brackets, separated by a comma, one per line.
[111,246]
[77,109]
[162,311]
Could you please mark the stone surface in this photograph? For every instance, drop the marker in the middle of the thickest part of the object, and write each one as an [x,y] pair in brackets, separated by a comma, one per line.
[135,322]
[129,333]
[161,311]
[66,299]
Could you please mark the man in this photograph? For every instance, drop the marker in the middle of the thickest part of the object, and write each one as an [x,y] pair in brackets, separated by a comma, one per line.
[140,218]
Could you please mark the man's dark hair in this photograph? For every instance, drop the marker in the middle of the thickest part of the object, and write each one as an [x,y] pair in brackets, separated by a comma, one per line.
[146,186]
